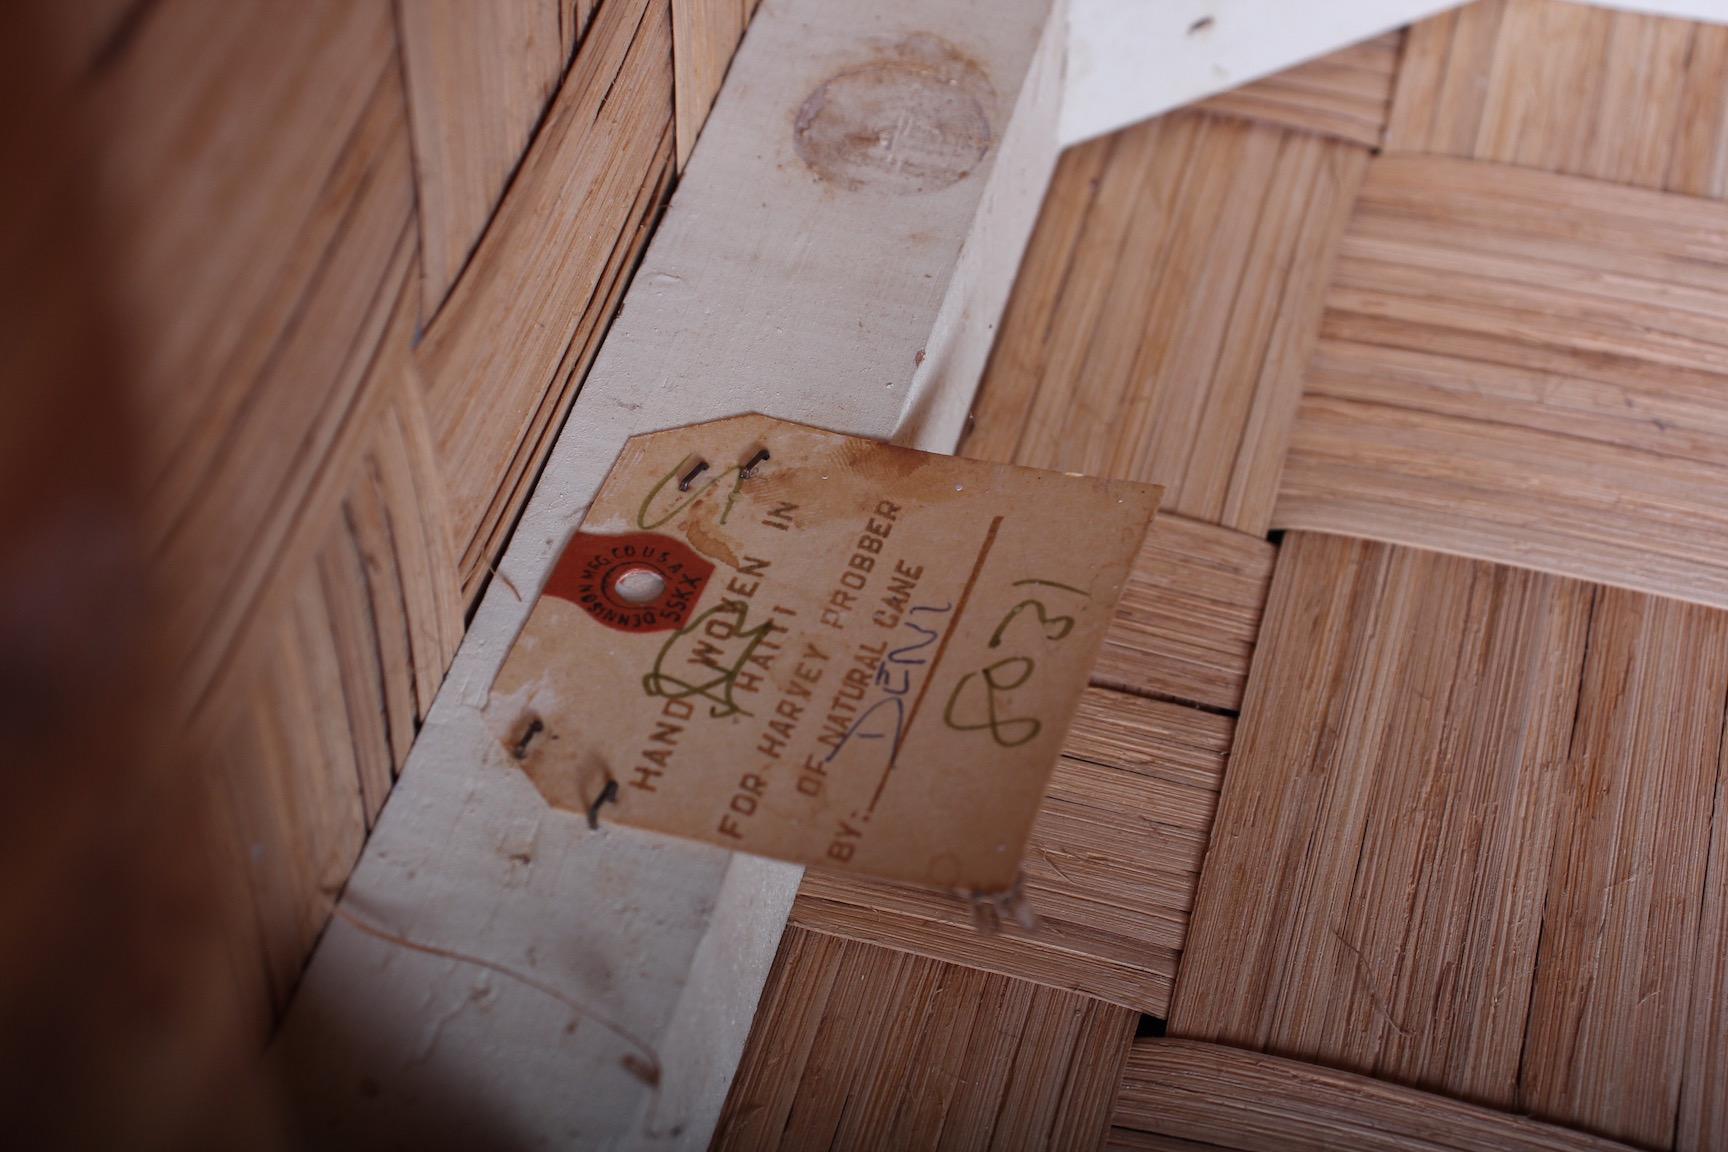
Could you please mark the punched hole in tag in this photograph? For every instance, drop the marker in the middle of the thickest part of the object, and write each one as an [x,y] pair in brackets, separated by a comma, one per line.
[639,585]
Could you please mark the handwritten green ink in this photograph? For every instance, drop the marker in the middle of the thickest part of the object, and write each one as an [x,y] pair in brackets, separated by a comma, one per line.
[1000,729]
[1014,730]
[1065,624]
[1054,584]
[696,493]
[718,689]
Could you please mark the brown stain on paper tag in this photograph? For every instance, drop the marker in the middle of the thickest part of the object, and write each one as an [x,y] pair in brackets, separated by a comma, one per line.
[877,677]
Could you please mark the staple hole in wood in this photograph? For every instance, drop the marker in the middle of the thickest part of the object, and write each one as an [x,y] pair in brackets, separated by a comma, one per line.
[639,585]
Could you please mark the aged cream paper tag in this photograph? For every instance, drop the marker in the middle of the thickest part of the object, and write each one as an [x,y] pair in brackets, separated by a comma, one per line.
[820,648]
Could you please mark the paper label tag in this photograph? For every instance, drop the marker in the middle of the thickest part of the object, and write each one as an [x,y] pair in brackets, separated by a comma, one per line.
[849,655]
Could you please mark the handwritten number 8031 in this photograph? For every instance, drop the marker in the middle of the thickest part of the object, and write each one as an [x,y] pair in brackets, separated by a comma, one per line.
[1007,674]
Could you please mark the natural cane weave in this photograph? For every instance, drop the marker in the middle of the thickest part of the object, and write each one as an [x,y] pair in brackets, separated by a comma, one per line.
[1400,789]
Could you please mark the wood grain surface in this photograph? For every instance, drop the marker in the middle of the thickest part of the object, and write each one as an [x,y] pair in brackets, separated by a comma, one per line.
[1403,754]
[1464,839]
[1181,1094]
[1467,841]
[1186,624]
[1525,368]
[1621,97]
[502,365]
[705,33]
[1347,94]
[1166,310]
[479,78]
[1109,875]
[859,1047]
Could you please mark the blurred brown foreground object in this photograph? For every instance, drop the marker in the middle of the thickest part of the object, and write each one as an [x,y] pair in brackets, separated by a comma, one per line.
[118,1017]
[258,258]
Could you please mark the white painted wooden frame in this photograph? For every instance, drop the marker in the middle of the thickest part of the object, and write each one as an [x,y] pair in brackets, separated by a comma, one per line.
[609,978]
[1128,60]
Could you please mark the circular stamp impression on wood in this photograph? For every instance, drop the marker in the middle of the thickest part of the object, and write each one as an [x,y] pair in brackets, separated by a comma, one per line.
[641,582]
[911,120]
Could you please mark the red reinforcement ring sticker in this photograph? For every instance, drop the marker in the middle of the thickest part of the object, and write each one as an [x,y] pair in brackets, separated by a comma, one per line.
[643,582]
